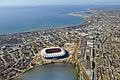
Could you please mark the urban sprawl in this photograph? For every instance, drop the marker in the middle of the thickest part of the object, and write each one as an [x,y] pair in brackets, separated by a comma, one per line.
[98,51]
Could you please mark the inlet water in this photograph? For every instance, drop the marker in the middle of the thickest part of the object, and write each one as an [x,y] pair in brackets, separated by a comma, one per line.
[59,71]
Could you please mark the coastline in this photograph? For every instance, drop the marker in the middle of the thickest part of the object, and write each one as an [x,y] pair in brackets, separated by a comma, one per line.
[55,19]
[80,41]
[83,25]
[36,30]
[49,27]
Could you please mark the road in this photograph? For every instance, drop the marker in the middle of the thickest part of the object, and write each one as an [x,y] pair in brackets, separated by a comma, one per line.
[85,75]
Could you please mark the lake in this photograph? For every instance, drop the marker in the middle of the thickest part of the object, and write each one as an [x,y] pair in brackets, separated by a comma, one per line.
[57,71]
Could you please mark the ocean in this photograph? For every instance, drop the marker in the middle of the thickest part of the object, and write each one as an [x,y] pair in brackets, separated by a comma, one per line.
[19,19]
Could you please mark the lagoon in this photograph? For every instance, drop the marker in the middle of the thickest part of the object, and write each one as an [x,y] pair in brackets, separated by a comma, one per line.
[57,71]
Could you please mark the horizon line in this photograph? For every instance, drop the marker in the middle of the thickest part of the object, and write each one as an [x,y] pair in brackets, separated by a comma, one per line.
[61,5]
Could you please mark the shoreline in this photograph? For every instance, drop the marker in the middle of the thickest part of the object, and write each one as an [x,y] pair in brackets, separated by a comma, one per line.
[57,27]
[84,43]
[38,29]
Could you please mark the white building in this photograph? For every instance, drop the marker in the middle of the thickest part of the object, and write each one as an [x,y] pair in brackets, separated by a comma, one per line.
[53,52]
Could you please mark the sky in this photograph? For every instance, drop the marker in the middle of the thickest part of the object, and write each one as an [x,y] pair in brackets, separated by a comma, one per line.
[55,2]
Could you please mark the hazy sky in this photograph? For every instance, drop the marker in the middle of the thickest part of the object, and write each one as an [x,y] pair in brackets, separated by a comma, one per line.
[55,2]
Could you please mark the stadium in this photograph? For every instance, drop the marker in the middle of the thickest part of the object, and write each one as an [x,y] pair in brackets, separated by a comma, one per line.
[53,52]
